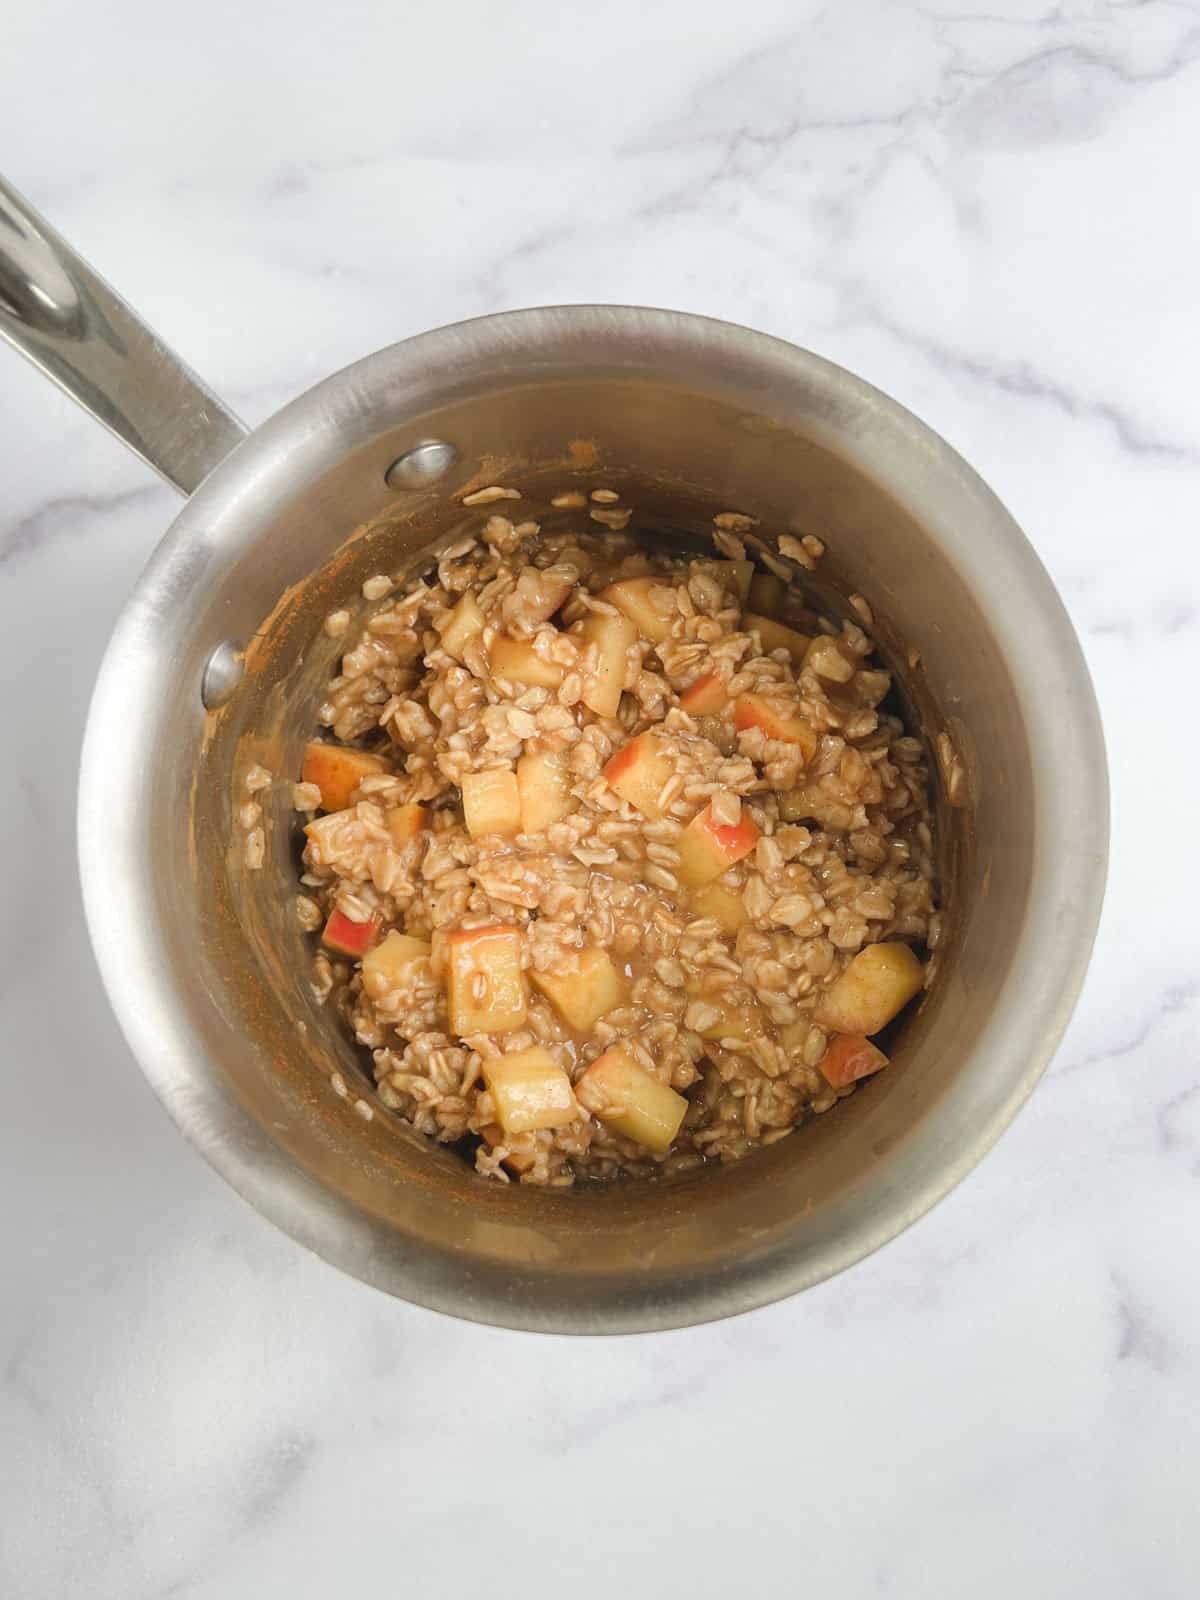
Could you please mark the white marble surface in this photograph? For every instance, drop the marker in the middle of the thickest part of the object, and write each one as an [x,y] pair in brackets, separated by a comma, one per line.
[990,210]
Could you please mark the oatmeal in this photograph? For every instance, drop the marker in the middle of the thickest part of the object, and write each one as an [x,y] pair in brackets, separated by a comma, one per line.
[615,860]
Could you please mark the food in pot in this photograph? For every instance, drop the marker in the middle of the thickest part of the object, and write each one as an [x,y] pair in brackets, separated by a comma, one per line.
[617,858]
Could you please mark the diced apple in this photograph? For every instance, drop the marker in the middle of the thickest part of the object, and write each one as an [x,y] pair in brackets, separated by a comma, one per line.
[728,908]
[491,802]
[705,697]
[544,785]
[623,1095]
[766,593]
[387,964]
[464,624]
[826,658]
[634,598]
[519,662]
[612,637]
[405,822]
[349,938]
[517,1161]
[707,848]
[492,954]
[529,1090]
[337,771]
[638,771]
[878,983]
[588,991]
[775,636]
[543,593]
[848,1058]
[753,711]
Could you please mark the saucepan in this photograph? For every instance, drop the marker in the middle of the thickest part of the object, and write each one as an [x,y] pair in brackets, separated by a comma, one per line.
[218,662]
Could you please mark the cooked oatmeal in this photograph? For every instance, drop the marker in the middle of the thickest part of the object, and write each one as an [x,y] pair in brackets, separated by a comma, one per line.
[614,858]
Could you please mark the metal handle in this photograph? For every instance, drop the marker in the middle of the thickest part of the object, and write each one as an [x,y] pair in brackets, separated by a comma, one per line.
[67,320]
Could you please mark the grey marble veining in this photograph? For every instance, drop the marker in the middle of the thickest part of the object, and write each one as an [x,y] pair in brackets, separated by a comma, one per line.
[989,210]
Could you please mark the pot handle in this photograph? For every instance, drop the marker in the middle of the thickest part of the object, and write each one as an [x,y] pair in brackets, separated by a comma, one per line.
[58,312]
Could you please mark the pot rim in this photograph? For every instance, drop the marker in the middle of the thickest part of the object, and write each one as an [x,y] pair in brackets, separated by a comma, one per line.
[1074,807]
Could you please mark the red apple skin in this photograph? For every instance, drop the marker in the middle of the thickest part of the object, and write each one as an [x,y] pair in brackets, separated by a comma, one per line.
[705,697]
[337,770]
[733,840]
[708,848]
[625,758]
[848,1058]
[750,711]
[638,772]
[348,938]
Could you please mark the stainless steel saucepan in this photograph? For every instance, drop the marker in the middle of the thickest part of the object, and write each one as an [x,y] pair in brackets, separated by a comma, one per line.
[218,662]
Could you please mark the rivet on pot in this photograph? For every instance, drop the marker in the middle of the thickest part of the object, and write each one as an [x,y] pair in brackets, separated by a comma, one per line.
[424,463]
[222,674]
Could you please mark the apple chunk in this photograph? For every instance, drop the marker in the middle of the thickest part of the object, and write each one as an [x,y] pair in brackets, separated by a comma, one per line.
[707,848]
[705,697]
[337,771]
[390,962]
[405,822]
[634,598]
[496,1002]
[766,593]
[775,720]
[638,771]
[727,908]
[775,636]
[519,662]
[622,1094]
[464,623]
[543,592]
[612,637]
[592,988]
[529,1090]
[349,938]
[517,1161]
[848,1058]
[491,802]
[878,983]
[545,790]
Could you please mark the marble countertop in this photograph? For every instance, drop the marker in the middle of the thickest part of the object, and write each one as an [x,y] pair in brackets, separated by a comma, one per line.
[989,210]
